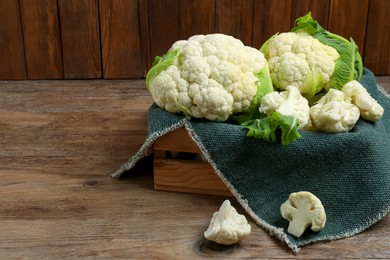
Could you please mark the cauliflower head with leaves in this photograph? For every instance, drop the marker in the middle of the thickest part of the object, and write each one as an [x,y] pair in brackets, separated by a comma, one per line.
[311,58]
[209,76]
[300,60]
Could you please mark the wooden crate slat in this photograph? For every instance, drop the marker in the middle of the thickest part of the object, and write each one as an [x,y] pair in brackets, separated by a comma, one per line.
[12,60]
[187,176]
[79,21]
[121,45]
[41,39]
[176,141]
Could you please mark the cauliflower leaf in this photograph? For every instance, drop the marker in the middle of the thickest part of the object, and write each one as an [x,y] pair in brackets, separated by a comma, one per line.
[160,64]
[266,128]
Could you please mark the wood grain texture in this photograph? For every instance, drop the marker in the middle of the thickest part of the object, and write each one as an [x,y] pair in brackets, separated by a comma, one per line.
[348,18]
[376,49]
[196,17]
[80,38]
[121,42]
[235,17]
[172,20]
[319,10]
[270,17]
[42,41]
[61,139]
[12,60]
[163,26]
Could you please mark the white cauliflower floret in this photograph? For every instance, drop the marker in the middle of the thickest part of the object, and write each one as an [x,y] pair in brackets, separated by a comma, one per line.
[333,114]
[369,108]
[210,102]
[289,103]
[298,59]
[289,69]
[227,227]
[212,76]
[303,209]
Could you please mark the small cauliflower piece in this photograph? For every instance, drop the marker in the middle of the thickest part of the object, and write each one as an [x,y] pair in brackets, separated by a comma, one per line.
[289,103]
[332,114]
[227,227]
[369,108]
[303,209]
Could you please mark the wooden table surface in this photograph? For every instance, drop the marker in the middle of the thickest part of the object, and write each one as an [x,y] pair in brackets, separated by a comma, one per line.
[60,140]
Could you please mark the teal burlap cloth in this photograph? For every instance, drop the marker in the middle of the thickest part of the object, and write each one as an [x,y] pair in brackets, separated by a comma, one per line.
[349,172]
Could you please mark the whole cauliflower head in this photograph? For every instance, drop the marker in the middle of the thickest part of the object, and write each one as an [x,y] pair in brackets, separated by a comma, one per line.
[299,59]
[209,76]
[333,114]
[289,103]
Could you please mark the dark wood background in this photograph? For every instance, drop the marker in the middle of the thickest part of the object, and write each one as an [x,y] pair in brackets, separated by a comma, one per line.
[72,39]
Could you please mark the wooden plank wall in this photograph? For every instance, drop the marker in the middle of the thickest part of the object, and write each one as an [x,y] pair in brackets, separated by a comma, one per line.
[71,39]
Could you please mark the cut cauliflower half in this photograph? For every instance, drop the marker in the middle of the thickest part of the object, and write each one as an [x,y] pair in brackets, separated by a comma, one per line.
[289,103]
[209,76]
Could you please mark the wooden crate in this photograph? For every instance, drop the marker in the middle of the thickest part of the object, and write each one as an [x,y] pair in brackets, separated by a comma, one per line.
[173,172]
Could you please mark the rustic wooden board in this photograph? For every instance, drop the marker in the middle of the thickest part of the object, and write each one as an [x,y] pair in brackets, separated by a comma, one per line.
[121,42]
[377,50]
[80,38]
[319,10]
[192,175]
[12,60]
[235,17]
[172,20]
[41,39]
[187,176]
[348,18]
[269,18]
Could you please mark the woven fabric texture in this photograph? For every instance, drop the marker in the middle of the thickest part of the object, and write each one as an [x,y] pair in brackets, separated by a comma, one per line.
[348,172]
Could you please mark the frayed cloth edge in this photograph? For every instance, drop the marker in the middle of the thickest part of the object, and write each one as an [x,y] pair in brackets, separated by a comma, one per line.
[384,92]
[145,149]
